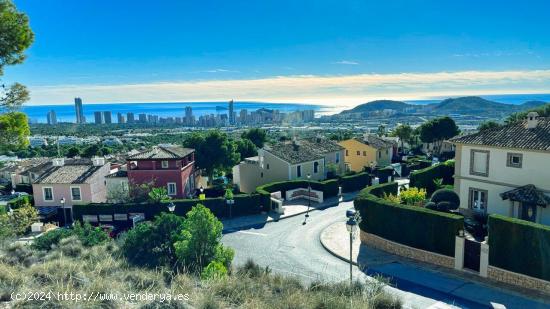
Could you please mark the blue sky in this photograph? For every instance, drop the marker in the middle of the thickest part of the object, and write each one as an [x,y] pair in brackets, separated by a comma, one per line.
[124,51]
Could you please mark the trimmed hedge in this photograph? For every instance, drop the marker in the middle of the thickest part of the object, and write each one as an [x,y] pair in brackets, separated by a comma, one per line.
[383,173]
[355,182]
[329,188]
[424,178]
[413,226]
[244,205]
[519,246]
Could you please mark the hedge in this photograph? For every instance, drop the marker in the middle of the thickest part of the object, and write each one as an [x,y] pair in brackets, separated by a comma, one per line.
[355,182]
[424,178]
[245,204]
[383,173]
[519,246]
[329,188]
[413,226]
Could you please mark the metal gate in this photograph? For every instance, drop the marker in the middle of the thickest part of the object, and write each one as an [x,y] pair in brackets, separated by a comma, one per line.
[472,251]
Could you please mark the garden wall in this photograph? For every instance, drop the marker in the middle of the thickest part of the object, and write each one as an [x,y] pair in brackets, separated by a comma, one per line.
[245,204]
[412,226]
[329,188]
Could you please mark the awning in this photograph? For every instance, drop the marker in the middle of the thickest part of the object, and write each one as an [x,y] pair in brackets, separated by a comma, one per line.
[527,194]
[46,211]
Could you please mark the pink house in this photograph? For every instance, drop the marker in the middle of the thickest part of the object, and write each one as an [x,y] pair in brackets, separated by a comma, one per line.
[170,167]
[69,182]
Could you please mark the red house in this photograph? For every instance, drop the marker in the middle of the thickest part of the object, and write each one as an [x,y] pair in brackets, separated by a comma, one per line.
[170,167]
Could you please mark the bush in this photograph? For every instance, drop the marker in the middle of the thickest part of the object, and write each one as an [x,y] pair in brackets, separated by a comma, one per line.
[152,244]
[413,196]
[417,227]
[215,270]
[519,246]
[449,197]
[355,182]
[424,178]
[50,238]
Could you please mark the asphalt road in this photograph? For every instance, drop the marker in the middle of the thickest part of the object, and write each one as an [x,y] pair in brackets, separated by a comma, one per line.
[288,247]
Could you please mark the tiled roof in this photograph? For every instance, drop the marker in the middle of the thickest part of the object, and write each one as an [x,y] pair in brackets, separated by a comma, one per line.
[514,135]
[118,174]
[375,142]
[68,174]
[527,194]
[162,152]
[303,150]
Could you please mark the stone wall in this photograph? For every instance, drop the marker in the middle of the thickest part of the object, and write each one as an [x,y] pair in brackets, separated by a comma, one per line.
[406,251]
[520,280]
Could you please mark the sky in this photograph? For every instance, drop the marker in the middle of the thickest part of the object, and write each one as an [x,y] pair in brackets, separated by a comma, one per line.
[324,52]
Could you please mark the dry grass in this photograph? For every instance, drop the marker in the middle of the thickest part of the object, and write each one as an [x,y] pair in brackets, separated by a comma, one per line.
[102,270]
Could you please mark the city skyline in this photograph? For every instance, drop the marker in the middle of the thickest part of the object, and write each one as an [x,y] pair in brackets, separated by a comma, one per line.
[269,51]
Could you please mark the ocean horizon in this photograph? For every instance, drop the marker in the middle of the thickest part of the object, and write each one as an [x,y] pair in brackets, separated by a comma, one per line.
[66,112]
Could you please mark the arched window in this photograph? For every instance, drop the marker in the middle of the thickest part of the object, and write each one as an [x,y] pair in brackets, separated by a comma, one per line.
[316,167]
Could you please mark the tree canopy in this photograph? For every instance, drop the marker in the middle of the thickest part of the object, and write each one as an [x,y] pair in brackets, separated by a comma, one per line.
[256,135]
[488,125]
[213,151]
[404,132]
[437,130]
[246,148]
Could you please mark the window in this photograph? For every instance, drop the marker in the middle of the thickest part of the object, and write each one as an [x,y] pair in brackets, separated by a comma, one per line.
[379,154]
[299,171]
[48,194]
[358,152]
[75,194]
[172,189]
[262,175]
[164,164]
[267,166]
[479,162]
[387,151]
[347,153]
[514,160]
[478,200]
[338,157]
[316,167]
[364,153]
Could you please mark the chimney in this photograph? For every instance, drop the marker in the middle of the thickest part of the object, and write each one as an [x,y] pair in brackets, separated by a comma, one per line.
[532,120]
[98,161]
[58,161]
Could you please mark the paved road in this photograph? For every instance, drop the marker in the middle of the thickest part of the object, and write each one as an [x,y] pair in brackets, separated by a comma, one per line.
[294,249]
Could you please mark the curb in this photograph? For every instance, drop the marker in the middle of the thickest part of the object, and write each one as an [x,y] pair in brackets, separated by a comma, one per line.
[251,225]
[326,247]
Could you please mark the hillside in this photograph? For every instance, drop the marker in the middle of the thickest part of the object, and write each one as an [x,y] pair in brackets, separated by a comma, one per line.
[377,106]
[462,105]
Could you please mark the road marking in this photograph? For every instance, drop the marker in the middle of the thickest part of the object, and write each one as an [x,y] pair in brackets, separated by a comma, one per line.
[252,233]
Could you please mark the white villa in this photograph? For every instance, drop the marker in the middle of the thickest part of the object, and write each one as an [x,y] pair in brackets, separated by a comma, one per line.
[506,170]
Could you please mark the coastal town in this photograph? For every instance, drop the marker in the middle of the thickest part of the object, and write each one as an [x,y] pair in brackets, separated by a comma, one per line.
[440,202]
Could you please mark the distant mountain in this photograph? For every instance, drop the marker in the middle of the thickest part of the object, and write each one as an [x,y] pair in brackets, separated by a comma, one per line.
[462,105]
[471,104]
[378,106]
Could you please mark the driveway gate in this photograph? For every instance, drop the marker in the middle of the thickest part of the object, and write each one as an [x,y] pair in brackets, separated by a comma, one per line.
[472,250]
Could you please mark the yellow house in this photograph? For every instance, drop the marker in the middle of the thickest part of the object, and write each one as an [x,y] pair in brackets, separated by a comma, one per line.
[368,150]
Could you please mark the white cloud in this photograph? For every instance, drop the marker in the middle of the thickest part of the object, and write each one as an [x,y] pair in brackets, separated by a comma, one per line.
[219,71]
[346,62]
[335,90]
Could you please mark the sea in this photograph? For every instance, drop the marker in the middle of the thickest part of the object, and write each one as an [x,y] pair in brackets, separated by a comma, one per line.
[66,112]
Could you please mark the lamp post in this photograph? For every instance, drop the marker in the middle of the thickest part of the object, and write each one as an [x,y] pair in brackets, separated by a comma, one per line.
[308,194]
[62,201]
[171,207]
[351,226]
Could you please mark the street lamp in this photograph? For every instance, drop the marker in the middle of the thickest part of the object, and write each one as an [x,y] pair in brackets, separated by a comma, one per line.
[308,194]
[62,201]
[171,207]
[351,226]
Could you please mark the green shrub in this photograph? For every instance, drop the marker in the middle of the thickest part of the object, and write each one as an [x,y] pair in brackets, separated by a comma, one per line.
[445,195]
[413,196]
[89,235]
[417,227]
[214,271]
[519,246]
[47,239]
[355,182]
[424,178]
